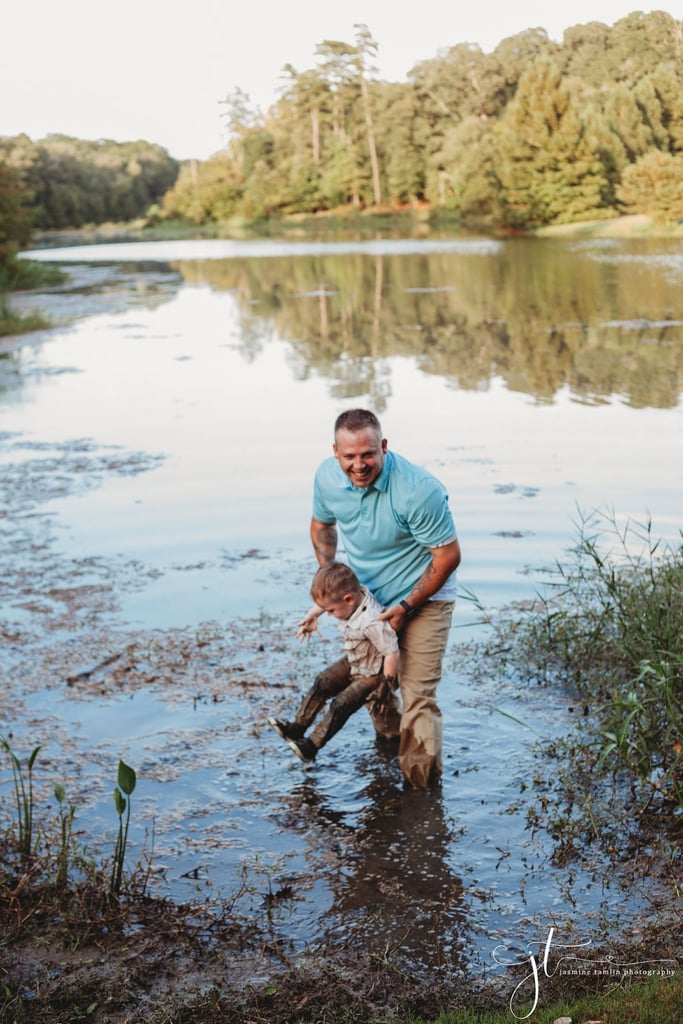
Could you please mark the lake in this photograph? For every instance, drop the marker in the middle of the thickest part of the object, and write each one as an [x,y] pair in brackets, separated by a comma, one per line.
[158,449]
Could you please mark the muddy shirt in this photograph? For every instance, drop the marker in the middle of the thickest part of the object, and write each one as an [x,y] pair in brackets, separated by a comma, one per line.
[366,640]
[388,527]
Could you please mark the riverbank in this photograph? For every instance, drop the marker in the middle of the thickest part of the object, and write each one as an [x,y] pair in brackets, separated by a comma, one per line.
[66,956]
[420,222]
[633,226]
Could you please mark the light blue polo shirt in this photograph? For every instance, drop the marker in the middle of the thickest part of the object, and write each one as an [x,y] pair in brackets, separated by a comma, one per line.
[388,527]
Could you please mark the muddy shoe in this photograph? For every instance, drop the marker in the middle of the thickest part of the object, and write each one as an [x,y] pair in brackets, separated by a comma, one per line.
[287,730]
[304,749]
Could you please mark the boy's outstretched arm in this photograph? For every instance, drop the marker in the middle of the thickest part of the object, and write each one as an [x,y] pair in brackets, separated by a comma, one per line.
[309,623]
[390,666]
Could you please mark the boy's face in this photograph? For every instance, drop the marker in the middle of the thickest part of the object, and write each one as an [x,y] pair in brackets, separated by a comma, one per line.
[340,607]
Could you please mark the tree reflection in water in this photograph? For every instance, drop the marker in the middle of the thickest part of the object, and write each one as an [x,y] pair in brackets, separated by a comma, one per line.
[601,318]
[387,864]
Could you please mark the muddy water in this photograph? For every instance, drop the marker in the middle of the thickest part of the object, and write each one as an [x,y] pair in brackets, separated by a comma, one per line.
[158,447]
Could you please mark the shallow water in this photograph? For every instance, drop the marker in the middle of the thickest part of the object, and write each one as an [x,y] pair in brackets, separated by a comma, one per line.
[157,459]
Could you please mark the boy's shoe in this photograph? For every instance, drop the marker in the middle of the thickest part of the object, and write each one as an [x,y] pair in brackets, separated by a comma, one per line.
[304,749]
[287,730]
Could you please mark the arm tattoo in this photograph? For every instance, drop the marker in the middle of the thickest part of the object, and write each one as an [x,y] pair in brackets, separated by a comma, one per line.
[423,584]
[324,537]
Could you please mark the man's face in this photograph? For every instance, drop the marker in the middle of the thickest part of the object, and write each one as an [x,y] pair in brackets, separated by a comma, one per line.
[360,454]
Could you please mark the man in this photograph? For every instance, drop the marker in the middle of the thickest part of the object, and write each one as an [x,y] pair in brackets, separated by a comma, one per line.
[401,542]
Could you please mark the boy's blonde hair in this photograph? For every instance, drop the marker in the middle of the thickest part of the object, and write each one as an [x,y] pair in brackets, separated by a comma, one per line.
[333,580]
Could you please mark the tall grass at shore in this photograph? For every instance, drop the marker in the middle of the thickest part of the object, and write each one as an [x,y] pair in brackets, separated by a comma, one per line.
[609,626]
[24,275]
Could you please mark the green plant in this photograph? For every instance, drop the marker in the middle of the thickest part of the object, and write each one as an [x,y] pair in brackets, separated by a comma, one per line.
[642,728]
[66,817]
[609,628]
[126,786]
[23,794]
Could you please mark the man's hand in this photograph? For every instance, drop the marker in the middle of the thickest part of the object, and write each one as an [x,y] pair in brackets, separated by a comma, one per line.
[445,561]
[395,616]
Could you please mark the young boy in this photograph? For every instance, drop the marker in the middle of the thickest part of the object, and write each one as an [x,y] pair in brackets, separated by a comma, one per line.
[366,674]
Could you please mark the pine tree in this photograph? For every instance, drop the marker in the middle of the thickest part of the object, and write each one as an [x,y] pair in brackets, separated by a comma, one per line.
[654,186]
[549,171]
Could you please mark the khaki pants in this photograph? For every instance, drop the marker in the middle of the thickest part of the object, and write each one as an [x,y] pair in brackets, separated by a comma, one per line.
[423,643]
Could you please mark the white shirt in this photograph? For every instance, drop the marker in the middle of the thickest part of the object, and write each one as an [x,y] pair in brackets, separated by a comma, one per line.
[366,640]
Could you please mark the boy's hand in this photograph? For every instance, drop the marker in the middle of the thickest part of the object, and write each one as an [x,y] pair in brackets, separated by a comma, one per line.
[307,626]
[381,695]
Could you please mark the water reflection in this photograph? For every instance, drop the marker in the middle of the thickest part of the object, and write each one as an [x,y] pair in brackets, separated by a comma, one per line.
[538,314]
[385,856]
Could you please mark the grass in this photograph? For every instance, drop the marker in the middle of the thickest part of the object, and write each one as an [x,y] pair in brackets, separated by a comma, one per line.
[24,275]
[656,1001]
[14,323]
[608,628]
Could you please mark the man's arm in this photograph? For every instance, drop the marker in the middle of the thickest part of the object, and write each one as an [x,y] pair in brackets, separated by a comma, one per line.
[445,560]
[324,540]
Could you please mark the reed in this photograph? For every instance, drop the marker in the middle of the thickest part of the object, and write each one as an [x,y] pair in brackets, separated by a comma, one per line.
[23,796]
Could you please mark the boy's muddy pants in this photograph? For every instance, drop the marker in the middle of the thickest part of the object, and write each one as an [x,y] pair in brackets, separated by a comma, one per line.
[422,642]
[346,694]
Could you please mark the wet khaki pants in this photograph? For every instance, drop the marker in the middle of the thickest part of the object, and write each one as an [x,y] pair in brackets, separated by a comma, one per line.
[423,643]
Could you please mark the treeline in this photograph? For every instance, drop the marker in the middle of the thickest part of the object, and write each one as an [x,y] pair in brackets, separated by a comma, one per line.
[531,134]
[534,133]
[67,183]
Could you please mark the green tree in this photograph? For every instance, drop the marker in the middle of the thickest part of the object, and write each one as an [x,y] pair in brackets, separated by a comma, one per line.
[467,178]
[366,50]
[341,178]
[205,192]
[549,170]
[585,49]
[639,40]
[662,93]
[404,139]
[625,118]
[15,218]
[654,186]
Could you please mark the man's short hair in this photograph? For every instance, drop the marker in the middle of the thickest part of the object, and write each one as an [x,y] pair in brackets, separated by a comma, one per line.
[333,580]
[354,420]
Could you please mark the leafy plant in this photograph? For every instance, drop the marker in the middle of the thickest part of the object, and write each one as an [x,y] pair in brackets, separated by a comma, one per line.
[125,787]
[23,794]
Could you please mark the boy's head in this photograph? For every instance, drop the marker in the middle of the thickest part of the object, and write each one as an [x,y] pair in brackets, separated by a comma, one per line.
[335,589]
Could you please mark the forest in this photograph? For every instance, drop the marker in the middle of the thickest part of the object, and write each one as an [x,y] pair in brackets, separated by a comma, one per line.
[67,182]
[532,134]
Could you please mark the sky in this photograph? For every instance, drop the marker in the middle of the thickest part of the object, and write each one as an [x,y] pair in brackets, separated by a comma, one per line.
[160,69]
